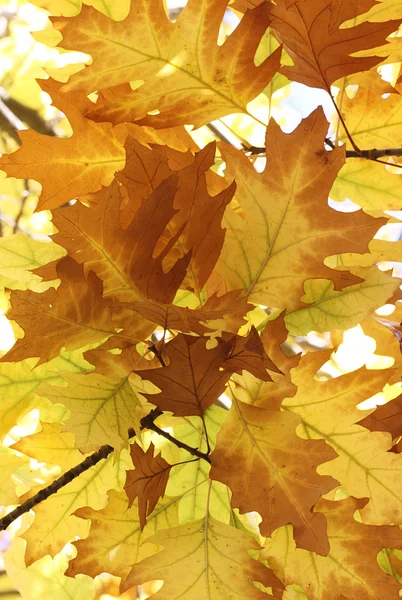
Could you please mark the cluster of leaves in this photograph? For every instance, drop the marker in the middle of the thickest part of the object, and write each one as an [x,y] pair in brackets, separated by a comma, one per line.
[157,242]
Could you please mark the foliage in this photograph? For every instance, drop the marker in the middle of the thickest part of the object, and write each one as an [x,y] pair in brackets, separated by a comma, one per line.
[159,328]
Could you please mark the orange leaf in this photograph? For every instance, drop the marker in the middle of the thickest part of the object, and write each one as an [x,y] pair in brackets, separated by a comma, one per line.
[386,418]
[287,228]
[320,50]
[74,315]
[193,380]
[272,471]
[147,481]
[67,167]
[187,77]
[351,565]
[197,210]
[124,259]
[248,354]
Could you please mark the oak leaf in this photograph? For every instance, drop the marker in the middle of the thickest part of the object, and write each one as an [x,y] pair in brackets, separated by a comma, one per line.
[252,390]
[74,315]
[115,540]
[282,207]
[351,565]
[19,255]
[328,409]
[147,481]
[319,48]
[19,383]
[372,121]
[271,470]
[102,409]
[248,354]
[193,380]
[170,58]
[67,167]
[189,481]
[54,519]
[51,445]
[197,210]
[207,557]
[387,417]
[332,309]
[124,258]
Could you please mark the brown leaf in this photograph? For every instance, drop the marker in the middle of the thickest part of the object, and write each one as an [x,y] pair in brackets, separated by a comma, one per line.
[387,417]
[311,34]
[271,470]
[124,259]
[197,210]
[74,315]
[193,380]
[147,481]
[248,354]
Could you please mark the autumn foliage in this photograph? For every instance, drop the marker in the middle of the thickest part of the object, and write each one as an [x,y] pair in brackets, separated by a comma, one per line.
[150,303]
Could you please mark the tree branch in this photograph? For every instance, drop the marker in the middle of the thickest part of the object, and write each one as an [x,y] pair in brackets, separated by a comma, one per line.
[147,422]
[371,154]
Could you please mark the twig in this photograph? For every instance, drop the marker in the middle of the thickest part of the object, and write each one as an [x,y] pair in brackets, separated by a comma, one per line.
[24,196]
[194,451]
[372,154]
[147,422]
[54,487]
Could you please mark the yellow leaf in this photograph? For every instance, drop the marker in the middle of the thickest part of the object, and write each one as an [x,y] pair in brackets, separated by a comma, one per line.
[187,77]
[68,167]
[328,409]
[204,559]
[288,228]
[19,384]
[55,523]
[45,579]
[115,540]
[350,567]
[102,409]
[330,309]
[20,254]
[369,185]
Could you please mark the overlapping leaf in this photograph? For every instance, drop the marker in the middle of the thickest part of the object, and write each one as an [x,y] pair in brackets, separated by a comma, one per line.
[54,519]
[147,481]
[115,539]
[19,384]
[188,77]
[364,467]
[190,481]
[271,470]
[74,315]
[351,567]
[19,255]
[193,380]
[205,558]
[330,309]
[271,251]
[69,167]
[319,48]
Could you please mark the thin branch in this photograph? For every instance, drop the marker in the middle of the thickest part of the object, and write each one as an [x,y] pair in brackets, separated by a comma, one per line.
[372,154]
[24,196]
[178,443]
[54,487]
[147,422]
